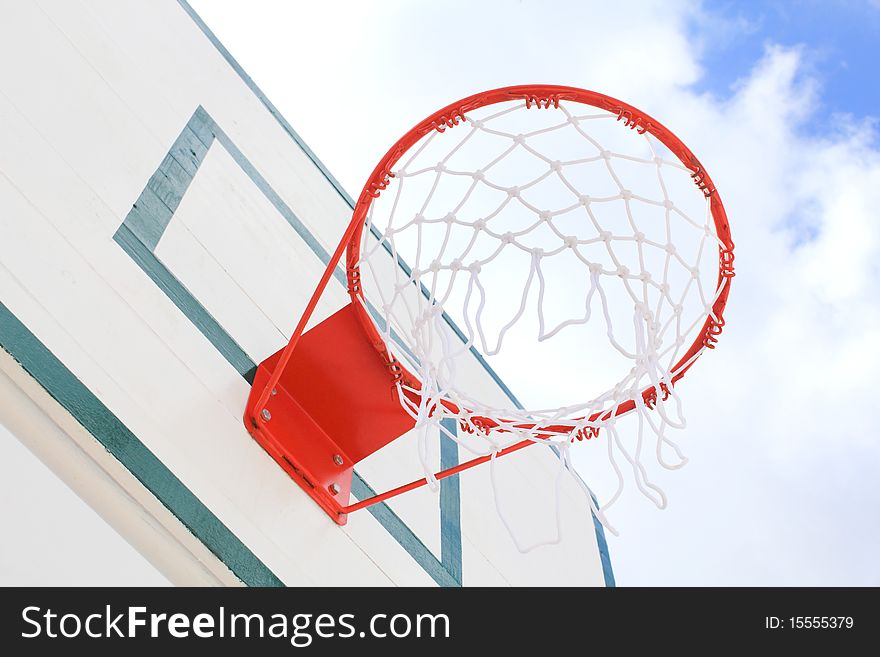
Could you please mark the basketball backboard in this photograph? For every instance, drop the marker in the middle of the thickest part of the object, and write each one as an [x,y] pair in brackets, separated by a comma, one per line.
[163,227]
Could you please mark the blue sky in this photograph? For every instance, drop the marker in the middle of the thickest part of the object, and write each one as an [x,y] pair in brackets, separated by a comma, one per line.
[840,41]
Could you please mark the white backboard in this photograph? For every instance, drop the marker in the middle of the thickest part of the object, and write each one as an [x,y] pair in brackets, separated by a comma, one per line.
[162,228]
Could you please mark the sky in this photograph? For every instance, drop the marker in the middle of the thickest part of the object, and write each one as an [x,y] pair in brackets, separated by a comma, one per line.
[780,102]
[838,43]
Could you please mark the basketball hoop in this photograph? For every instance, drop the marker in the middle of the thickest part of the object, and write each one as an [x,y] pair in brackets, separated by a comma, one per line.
[390,360]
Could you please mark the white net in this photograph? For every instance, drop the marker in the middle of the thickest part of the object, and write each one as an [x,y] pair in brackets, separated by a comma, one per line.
[575,254]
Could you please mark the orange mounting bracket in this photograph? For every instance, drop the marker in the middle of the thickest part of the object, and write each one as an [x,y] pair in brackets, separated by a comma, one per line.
[313,423]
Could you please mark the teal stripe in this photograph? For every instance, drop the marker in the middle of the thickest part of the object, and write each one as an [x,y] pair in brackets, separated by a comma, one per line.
[604,554]
[100,422]
[450,502]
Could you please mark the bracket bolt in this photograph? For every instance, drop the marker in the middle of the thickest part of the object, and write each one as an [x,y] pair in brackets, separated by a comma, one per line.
[337,459]
[266,414]
[274,392]
[334,489]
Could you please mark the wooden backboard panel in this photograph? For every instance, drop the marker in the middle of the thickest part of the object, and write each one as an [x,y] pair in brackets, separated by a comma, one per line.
[162,229]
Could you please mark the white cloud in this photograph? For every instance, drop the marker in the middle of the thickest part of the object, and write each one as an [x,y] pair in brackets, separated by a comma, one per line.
[782,433]
[781,416]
